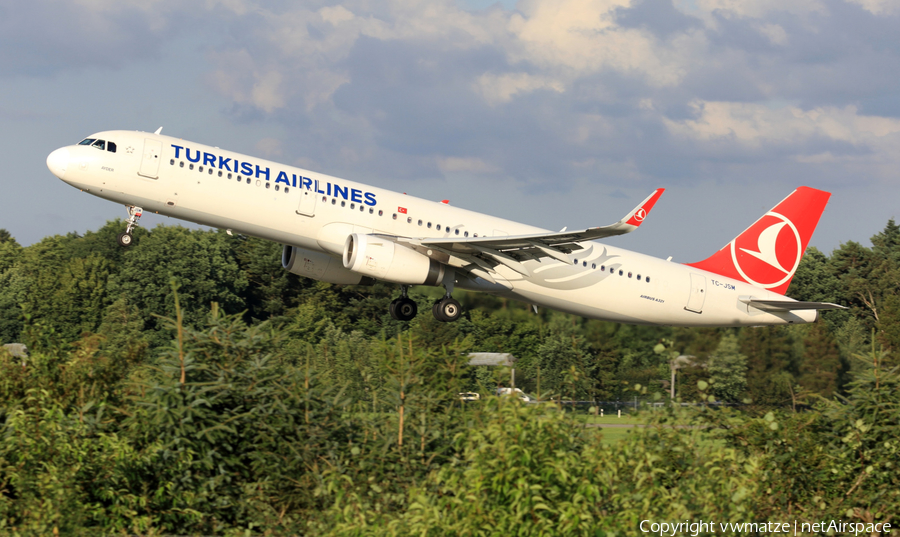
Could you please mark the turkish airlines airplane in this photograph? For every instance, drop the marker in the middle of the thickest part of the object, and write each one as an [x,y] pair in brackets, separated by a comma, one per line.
[343,232]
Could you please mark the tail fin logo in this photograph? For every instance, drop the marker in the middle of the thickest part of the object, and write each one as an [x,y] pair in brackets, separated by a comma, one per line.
[763,253]
[640,214]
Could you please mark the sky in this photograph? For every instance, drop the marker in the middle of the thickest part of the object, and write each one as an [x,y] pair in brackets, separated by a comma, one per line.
[550,112]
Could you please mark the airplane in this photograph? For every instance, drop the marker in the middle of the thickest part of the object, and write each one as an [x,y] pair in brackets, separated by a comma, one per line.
[343,232]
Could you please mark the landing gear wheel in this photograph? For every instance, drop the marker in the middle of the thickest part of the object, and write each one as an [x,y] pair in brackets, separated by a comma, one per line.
[134,214]
[406,309]
[124,239]
[446,310]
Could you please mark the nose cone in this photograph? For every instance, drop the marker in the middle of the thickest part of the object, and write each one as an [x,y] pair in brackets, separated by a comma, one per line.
[57,161]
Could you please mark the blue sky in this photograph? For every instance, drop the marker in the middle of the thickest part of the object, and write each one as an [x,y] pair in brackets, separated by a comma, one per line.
[555,113]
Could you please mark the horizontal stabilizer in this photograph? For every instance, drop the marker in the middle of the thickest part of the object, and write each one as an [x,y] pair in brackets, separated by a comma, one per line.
[789,305]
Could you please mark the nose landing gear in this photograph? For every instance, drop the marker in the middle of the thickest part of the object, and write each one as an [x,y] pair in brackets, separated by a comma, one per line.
[134,214]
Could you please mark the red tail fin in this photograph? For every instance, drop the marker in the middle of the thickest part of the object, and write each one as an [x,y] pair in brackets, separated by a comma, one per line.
[768,253]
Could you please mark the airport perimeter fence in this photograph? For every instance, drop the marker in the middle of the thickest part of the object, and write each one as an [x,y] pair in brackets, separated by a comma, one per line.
[612,408]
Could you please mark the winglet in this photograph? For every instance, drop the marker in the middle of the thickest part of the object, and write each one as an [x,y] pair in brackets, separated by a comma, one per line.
[639,213]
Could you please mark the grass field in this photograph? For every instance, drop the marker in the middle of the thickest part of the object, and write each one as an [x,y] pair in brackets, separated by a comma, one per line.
[626,419]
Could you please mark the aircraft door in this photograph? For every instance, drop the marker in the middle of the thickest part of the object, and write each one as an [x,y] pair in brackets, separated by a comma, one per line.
[150,162]
[307,205]
[698,293]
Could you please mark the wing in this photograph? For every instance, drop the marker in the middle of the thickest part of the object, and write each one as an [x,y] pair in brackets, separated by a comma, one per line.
[485,253]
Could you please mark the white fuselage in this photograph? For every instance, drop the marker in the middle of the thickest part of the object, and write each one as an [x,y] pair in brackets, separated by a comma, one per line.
[209,186]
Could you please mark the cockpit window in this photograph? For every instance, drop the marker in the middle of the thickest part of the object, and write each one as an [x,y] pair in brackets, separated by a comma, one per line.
[99,144]
[111,147]
[87,141]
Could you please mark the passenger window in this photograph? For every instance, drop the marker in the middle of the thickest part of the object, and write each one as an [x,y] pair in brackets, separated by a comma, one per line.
[457,231]
[620,272]
[200,168]
[172,161]
[576,261]
[438,227]
[343,204]
[638,277]
[285,189]
[380,212]
[211,170]
[647,279]
[181,164]
[420,222]
[111,147]
[361,208]
[409,219]
[593,265]
[395,216]
[276,188]
[466,234]
[248,180]
[99,144]
[352,205]
[229,176]
[429,225]
[602,268]
[190,166]
[268,185]
[324,198]
[371,210]
[334,201]
[220,174]
[629,274]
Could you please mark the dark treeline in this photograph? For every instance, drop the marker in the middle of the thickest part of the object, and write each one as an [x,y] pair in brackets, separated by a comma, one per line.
[190,385]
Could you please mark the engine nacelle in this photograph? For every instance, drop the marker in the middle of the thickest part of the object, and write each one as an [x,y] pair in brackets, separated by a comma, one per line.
[386,260]
[319,266]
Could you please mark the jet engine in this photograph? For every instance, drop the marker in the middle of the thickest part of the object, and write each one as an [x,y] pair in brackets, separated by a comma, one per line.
[386,260]
[319,266]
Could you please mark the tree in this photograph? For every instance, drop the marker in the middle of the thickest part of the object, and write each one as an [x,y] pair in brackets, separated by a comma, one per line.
[202,263]
[820,367]
[771,364]
[6,237]
[728,369]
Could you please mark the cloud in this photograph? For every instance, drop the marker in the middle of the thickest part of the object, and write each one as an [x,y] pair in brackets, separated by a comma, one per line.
[43,37]
[269,147]
[502,88]
[462,164]
[547,94]
[757,124]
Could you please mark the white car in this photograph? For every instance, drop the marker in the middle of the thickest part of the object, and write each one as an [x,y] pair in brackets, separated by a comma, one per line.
[515,392]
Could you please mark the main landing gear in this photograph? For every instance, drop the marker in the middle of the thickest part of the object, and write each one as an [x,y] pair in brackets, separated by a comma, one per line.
[445,310]
[404,308]
[134,214]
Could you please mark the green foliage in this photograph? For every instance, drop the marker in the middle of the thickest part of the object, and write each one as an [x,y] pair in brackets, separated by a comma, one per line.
[271,404]
[728,370]
[839,459]
[532,470]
